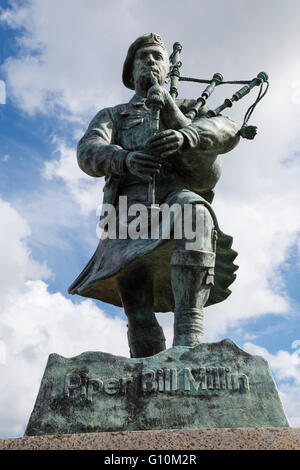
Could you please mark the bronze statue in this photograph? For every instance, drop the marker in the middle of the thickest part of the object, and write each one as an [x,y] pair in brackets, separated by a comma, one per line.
[173,146]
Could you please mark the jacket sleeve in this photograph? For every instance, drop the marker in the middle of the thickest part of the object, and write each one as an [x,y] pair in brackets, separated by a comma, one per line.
[97,153]
[212,136]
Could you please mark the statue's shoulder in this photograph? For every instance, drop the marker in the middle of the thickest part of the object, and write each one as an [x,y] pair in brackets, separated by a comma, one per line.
[109,113]
[120,107]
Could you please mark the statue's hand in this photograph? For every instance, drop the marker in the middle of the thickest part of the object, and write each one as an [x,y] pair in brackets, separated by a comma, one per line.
[142,165]
[166,143]
[157,96]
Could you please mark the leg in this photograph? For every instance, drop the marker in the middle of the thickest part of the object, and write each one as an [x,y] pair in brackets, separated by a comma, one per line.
[191,277]
[145,336]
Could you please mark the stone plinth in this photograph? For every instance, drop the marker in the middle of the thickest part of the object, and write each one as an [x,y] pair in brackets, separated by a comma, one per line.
[192,440]
[214,385]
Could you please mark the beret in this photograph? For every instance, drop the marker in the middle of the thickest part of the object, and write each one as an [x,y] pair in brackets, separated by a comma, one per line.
[148,39]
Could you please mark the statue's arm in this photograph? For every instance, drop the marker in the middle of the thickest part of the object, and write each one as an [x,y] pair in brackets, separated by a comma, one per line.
[97,153]
[213,136]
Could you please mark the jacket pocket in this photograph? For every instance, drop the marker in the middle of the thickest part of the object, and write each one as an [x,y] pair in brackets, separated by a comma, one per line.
[129,120]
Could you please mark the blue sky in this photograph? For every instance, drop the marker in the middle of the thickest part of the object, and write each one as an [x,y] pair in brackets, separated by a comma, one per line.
[61,63]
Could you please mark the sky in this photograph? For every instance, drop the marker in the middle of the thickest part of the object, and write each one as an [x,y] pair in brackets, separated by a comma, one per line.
[60,63]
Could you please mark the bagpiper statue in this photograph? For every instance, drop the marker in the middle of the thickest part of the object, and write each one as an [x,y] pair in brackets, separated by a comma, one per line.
[157,151]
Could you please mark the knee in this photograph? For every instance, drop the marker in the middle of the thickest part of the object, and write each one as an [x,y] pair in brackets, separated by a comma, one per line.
[198,230]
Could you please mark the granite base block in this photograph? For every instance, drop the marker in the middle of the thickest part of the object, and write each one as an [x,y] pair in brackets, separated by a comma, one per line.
[191,440]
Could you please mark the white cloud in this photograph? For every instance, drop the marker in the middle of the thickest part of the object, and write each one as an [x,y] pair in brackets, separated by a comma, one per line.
[289,395]
[55,217]
[256,199]
[71,56]
[16,260]
[84,190]
[2,92]
[35,323]
[59,70]
[70,64]
[284,364]
[286,369]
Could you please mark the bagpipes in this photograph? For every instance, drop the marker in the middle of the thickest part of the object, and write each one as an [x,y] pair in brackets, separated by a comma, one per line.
[199,176]
[261,80]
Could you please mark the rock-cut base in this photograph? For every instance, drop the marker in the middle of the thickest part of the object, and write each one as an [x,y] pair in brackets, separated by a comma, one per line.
[214,385]
[168,439]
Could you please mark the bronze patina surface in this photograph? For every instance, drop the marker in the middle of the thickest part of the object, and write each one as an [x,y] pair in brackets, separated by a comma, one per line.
[213,385]
[159,152]
[152,142]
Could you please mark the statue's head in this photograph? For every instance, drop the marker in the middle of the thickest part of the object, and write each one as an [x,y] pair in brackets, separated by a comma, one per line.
[147,53]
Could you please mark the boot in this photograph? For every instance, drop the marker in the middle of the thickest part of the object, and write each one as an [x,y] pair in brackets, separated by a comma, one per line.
[146,341]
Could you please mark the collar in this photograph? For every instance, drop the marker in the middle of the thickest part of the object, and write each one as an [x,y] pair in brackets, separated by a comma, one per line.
[137,100]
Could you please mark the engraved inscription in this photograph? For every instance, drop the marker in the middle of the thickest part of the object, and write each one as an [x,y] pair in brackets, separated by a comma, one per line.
[186,381]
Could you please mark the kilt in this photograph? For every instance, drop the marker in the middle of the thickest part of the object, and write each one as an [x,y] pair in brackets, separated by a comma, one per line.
[116,258]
